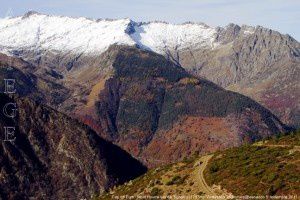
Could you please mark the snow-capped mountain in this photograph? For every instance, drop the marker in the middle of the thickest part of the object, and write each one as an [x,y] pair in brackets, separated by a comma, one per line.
[159,36]
[56,33]
[256,61]
[82,35]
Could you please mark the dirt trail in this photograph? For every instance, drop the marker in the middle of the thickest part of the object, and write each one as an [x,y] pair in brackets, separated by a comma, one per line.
[205,188]
[211,192]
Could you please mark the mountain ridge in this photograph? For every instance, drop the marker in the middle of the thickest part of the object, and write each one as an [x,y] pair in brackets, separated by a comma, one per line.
[181,35]
[156,110]
[57,157]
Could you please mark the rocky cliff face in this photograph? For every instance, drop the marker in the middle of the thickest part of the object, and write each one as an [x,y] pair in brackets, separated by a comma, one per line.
[56,157]
[262,64]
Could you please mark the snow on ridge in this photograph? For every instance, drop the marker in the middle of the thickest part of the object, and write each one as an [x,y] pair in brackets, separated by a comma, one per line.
[159,36]
[62,33]
[247,30]
[34,31]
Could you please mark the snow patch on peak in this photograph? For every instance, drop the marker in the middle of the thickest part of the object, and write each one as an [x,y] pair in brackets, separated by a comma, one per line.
[78,35]
[160,36]
[29,13]
[40,32]
[247,30]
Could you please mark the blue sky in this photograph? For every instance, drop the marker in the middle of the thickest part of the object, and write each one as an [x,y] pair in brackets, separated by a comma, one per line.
[281,15]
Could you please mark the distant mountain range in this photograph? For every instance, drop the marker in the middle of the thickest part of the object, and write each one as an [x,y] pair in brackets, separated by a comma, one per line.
[161,92]
[258,62]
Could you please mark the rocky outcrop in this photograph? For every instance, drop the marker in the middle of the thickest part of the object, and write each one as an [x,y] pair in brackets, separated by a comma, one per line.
[56,157]
[257,62]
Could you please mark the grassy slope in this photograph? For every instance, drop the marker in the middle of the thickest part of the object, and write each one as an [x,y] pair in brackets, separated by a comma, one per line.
[247,170]
[171,179]
[265,169]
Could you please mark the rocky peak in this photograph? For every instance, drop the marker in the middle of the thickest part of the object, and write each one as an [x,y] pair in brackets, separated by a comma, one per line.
[30,13]
[228,34]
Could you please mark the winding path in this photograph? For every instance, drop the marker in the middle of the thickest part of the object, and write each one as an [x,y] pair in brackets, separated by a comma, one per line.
[200,169]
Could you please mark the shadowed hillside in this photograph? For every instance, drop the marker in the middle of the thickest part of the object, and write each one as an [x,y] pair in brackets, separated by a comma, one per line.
[56,157]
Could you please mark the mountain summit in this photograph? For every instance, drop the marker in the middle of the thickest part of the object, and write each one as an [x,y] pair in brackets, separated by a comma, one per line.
[41,32]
